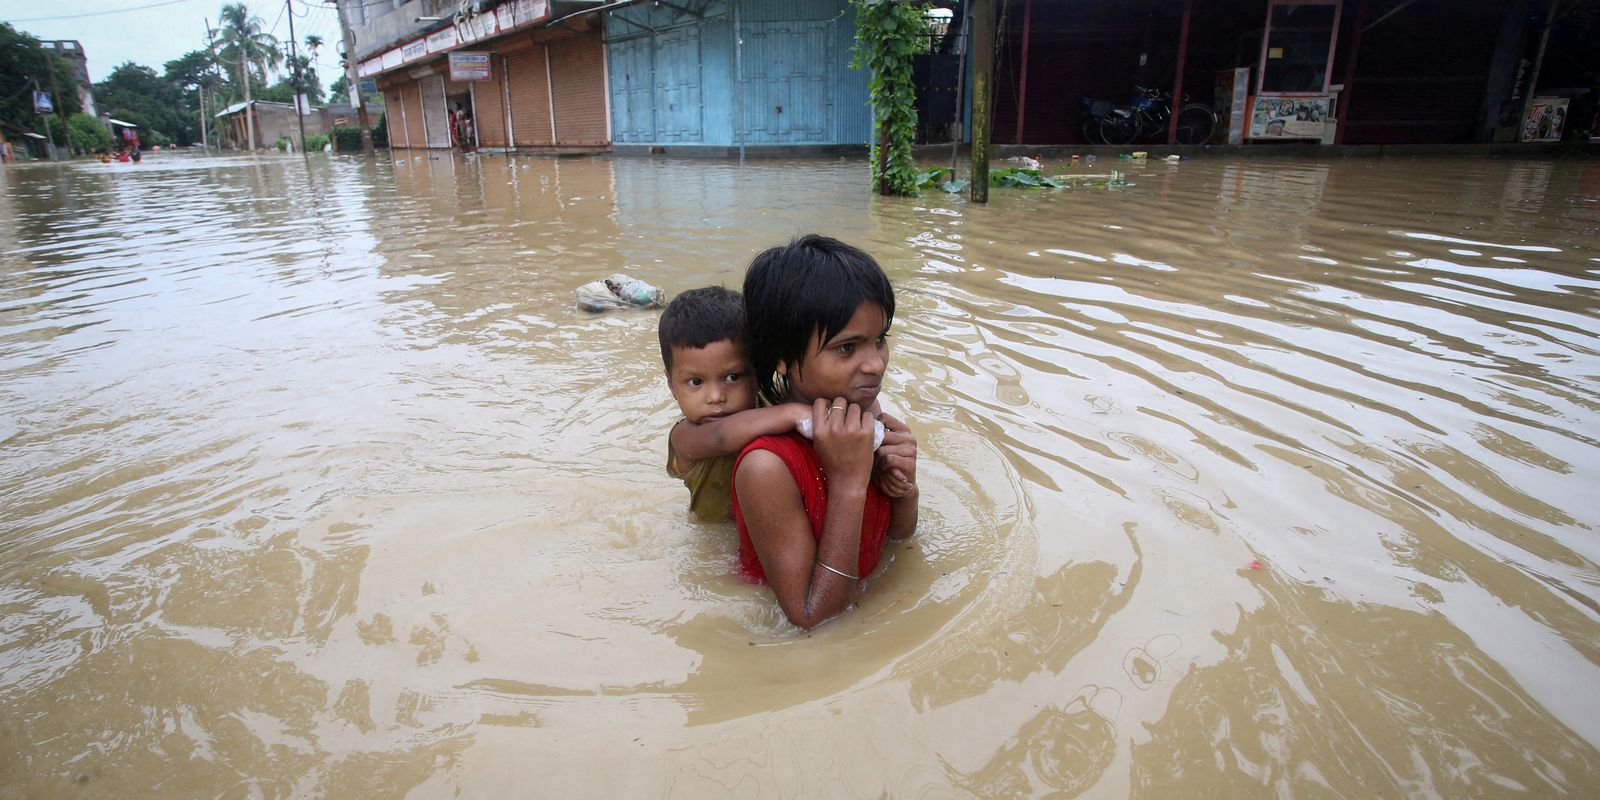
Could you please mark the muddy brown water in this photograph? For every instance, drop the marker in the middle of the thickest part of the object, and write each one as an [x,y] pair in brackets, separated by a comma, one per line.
[1254,478]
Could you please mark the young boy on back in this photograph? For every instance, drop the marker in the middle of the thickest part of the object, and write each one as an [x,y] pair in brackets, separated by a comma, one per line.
[708,371]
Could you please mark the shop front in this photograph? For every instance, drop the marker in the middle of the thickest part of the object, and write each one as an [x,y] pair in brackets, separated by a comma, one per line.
[502,80]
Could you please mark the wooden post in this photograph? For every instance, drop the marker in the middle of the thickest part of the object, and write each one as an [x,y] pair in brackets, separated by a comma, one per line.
[1022,85]
[982,79]
[1538,65]
[1350,73]
[1177,81]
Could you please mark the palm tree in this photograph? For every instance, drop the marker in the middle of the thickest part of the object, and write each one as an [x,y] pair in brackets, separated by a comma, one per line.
[313,43]
[246,45]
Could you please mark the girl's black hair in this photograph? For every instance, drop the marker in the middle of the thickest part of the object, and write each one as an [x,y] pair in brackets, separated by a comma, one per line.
[699,317]
[795,292]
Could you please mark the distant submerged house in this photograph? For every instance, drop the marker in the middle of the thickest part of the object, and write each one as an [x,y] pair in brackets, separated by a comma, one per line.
[273,121]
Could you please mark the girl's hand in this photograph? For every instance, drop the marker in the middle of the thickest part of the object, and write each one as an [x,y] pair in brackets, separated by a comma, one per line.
[843,438]
[896,459]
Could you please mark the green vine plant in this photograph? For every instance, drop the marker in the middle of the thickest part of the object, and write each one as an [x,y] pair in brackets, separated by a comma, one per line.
[888,34]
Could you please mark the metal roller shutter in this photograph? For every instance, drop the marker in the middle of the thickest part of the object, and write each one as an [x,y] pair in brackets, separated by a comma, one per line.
[435,116]
[489,106]
[416,134]
[393,100]
[578,66]
[528,86]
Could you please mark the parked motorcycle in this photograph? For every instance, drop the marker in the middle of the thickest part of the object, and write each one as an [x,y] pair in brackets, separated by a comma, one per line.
[1145,118]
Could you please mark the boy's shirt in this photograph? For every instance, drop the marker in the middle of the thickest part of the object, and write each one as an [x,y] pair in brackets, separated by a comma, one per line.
[710,482]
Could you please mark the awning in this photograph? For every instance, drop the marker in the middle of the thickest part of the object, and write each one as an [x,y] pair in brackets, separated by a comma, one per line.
[123,124]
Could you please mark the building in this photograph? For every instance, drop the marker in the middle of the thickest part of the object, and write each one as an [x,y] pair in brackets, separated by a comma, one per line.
[72,52]
[273,121]
[1372,71]
[530,73]
[703,76]
[712,76]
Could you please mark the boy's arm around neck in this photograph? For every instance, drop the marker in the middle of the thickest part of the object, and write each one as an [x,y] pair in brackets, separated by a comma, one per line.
[729,435]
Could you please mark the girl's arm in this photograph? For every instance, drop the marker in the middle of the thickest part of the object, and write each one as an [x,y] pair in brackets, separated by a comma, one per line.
[897,466]
[774,514]
[730,435]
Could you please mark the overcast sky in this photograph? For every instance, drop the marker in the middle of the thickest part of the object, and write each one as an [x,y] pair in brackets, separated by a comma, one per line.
[153,32]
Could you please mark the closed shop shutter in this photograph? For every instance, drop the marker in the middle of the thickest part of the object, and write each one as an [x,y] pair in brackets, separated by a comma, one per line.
[435,116]
[489,106]
[416,133]
[393,102]
[529,88]
[578,66]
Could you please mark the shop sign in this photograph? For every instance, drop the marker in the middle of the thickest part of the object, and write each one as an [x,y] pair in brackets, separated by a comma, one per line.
[371,66]
[42,103]
[411,52]
[1288,117]
[369,86]
[477,26]
[522,12]
[469,66]
[440,41]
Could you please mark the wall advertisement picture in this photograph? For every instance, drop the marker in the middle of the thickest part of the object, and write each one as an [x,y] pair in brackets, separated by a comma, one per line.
[1288,117]
[1546,119]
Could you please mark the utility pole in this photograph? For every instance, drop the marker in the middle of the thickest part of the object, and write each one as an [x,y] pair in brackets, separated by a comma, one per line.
[350,74]
[205,141]
[982,80]
[204,144]
[294,74]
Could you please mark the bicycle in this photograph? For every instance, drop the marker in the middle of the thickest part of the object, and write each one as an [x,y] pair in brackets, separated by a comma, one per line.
[1146,117]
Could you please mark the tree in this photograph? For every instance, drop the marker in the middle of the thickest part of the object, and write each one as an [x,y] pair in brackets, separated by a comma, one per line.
[137,94]
[245,45]
[24,66]
[189,74]
[283,90]
[339,92]
[86,134]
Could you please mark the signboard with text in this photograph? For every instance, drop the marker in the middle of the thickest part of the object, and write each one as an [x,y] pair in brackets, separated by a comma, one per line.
[43,103]
[469,66]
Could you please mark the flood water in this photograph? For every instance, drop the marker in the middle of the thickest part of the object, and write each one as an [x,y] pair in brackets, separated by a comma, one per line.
[1253,478]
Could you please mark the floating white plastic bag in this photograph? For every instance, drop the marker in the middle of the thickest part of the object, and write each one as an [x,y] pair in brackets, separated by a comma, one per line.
[618,291]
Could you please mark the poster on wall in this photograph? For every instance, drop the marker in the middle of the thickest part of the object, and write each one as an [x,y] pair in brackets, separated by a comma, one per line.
[1233,86]
[1288,117]
[1546,119]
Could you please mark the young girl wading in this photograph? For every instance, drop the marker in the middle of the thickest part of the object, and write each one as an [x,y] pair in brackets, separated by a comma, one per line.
[813,515]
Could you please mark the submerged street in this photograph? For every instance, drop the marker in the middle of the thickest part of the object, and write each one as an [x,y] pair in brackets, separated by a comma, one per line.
[1251,478]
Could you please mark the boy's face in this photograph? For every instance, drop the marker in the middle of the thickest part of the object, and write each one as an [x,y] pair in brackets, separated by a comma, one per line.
[712,382]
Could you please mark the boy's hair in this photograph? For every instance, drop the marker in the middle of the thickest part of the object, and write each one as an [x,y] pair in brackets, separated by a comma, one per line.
[699,317]
[808,287]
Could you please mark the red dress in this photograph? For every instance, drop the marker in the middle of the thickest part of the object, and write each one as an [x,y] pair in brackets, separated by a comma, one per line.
[800,456]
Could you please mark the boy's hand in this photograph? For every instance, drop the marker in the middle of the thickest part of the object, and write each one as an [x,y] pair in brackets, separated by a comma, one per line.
[798,411]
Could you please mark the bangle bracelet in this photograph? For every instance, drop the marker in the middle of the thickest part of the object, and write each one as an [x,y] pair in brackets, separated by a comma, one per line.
[841,573]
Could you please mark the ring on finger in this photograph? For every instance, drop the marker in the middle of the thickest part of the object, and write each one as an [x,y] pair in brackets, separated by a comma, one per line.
[832,409]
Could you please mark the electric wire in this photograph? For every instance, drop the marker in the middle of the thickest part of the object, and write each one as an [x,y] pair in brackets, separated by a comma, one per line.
[97,13]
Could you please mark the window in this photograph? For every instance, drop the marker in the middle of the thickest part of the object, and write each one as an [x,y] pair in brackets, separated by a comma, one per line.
[1297,56]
